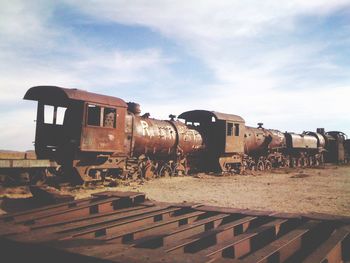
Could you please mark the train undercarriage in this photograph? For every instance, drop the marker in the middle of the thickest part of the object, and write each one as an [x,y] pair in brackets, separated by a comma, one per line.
[245,163]
[109,169]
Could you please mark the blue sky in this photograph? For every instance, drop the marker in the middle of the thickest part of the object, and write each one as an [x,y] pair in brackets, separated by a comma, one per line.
[284,63]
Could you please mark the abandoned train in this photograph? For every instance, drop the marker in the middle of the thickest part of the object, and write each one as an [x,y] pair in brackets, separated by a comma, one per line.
[98,137]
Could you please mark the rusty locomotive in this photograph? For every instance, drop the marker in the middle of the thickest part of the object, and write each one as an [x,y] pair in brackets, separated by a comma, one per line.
[98,137]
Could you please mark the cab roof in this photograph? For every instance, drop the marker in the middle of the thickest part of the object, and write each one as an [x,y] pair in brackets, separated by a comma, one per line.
[200,115]
[62,96]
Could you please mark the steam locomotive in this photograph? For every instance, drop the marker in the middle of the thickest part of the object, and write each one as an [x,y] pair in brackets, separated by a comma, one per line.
[97,137]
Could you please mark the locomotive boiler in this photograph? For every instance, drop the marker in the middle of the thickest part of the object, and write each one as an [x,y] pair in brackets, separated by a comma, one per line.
[97,137]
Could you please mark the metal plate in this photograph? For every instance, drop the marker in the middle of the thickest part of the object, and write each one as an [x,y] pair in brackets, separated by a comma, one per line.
[117,227]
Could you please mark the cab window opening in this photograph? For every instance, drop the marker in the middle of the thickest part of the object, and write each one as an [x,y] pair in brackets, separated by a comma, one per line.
[48,114]
[236,129]
[54,114]
[109,117]
[61,111]
[101,116]
[94,115]
[229,129]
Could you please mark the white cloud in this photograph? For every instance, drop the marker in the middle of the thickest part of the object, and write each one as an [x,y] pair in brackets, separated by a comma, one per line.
[227,32]
[26,23]
[117,67]
[36,51]
[263,70]
[18,126]
[206,19]
[262,67]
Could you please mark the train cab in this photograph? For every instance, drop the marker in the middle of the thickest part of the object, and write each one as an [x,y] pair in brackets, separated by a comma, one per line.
[347,150]
[336,152]
[72,122]
[223,136]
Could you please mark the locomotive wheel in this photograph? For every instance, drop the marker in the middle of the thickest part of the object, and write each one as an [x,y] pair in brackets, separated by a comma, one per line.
[268,165]
[286,163]
[293,163]
[180,170]
[165,171]
[149,171]
[135,174]
[299,162]
[311,161]
[241,169]
[260,166]
[228,168]
[317,162]
[252,166]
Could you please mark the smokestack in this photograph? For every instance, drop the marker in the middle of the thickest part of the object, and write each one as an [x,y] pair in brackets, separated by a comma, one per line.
[320,130]
[134,108]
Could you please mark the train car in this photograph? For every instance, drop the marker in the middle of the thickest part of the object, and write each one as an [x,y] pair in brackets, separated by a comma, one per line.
[268,148]
[347,150]
[99,137]
[223,136]
[96,136]
[335,148]
[264,147]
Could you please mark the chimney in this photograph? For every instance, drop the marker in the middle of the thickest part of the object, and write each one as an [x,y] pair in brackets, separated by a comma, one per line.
[134,108]
[320,130]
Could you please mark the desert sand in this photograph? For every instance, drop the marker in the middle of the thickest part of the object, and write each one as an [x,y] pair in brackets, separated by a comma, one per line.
[323,190]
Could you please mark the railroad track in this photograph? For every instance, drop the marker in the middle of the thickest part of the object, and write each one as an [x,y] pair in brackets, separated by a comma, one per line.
[125,227]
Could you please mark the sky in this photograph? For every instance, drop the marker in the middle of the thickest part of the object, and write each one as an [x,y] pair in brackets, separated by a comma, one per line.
[283,63]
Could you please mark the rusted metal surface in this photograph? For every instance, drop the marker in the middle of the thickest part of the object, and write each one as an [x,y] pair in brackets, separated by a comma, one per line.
[224,132]
[200,115]
[189,140]
[124,227]
[259,140]
[336,146]
[162,138]
[134,108]
[153,137]
[223,136]
[58,95]
[97,137]
[347,150]
[321,140]
[300,141]
[256,140]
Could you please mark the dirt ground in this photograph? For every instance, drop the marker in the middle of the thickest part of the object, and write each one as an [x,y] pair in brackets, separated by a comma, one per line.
[324,190]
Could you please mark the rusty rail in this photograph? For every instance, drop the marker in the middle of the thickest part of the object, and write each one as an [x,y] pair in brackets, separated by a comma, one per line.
[124,227]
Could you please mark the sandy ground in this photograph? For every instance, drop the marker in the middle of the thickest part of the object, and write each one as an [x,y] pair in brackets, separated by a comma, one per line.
[323,190]
[304,190]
